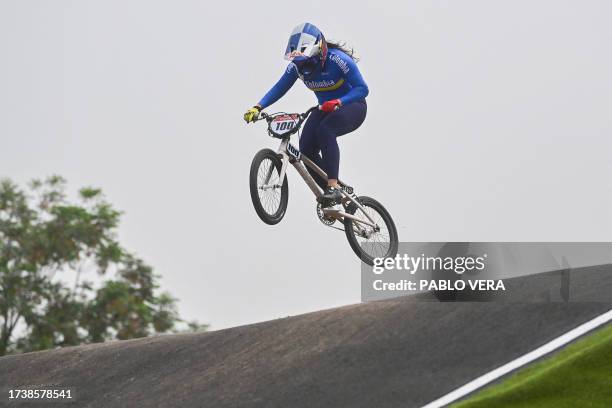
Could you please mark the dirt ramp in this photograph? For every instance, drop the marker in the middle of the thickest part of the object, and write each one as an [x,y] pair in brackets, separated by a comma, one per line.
[396,353]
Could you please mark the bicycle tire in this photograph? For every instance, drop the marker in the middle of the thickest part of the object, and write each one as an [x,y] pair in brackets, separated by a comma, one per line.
[368,202]
[267,216]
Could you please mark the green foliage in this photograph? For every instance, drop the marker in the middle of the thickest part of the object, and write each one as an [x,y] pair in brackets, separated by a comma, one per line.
[42,237]
[580,375]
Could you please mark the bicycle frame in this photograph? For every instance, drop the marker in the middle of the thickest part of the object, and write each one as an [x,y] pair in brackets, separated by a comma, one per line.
[291,155]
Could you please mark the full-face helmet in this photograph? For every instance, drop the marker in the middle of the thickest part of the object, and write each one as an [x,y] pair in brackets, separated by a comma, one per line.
[306,48]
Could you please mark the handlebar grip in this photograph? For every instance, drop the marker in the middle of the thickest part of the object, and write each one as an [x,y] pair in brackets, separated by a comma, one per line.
[335,107]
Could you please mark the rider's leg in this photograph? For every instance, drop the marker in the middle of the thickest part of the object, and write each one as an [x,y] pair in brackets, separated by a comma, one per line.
[308,145]
[337,123]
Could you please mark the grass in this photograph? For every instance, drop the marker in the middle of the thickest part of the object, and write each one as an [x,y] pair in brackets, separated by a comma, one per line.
[580,375]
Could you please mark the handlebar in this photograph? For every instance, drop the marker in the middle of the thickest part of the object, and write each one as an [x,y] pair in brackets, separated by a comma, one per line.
[303,116]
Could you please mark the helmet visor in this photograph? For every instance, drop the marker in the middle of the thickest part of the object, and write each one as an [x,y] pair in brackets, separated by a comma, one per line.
[302,44]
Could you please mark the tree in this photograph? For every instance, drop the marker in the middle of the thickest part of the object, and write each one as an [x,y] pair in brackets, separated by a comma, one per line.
[44,238]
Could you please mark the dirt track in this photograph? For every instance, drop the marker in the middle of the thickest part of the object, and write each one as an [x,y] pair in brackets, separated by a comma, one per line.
[397,353]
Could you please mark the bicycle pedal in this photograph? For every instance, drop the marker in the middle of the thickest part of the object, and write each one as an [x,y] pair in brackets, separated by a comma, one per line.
[347,189]
[326,203]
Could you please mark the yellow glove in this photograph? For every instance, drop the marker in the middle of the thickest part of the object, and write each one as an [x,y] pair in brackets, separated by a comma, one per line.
[252,114]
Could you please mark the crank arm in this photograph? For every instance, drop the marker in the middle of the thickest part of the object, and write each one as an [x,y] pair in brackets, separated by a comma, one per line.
[338,214]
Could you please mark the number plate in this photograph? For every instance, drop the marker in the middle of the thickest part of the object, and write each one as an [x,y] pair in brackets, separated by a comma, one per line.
[293,151]
[283,124]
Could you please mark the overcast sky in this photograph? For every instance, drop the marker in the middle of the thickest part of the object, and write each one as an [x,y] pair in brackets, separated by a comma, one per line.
[487,121]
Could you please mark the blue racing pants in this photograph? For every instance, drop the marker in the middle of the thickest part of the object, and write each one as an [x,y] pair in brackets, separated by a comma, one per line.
[318,141]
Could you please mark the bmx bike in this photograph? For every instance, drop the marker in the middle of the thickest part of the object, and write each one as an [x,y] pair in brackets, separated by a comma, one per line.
[369,228]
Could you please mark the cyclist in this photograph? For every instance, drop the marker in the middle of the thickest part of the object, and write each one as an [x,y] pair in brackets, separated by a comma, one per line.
[330,70]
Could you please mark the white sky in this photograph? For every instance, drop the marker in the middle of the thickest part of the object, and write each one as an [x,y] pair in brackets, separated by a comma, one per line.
[488,121]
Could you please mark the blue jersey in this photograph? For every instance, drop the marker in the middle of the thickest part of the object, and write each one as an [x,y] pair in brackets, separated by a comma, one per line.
[338,79]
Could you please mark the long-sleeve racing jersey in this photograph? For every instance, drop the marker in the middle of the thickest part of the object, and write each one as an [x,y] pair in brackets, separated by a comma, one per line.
[338,79]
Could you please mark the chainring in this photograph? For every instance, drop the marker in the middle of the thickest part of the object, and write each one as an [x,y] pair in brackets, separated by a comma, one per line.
[325,220]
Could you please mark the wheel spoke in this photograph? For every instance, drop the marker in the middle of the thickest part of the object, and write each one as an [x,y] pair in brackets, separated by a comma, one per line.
[378,244]
[270,198]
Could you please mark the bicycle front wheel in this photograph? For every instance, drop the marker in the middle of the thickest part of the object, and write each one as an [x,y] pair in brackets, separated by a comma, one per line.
[366,241]
[269,198]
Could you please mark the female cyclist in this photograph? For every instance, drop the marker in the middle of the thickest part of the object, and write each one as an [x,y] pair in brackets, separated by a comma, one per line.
[330,71]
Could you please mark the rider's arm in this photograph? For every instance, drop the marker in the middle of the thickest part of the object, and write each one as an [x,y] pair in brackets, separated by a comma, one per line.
[359,89]
[281,87]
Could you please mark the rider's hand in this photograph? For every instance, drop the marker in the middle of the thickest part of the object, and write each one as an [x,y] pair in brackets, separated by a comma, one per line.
[252,114]
[331,106]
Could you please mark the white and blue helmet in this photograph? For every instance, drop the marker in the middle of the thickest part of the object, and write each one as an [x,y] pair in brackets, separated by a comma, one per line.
[306,48]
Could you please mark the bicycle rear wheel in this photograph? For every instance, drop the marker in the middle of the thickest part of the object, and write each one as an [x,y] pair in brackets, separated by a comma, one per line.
[366,241]
[269,198]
